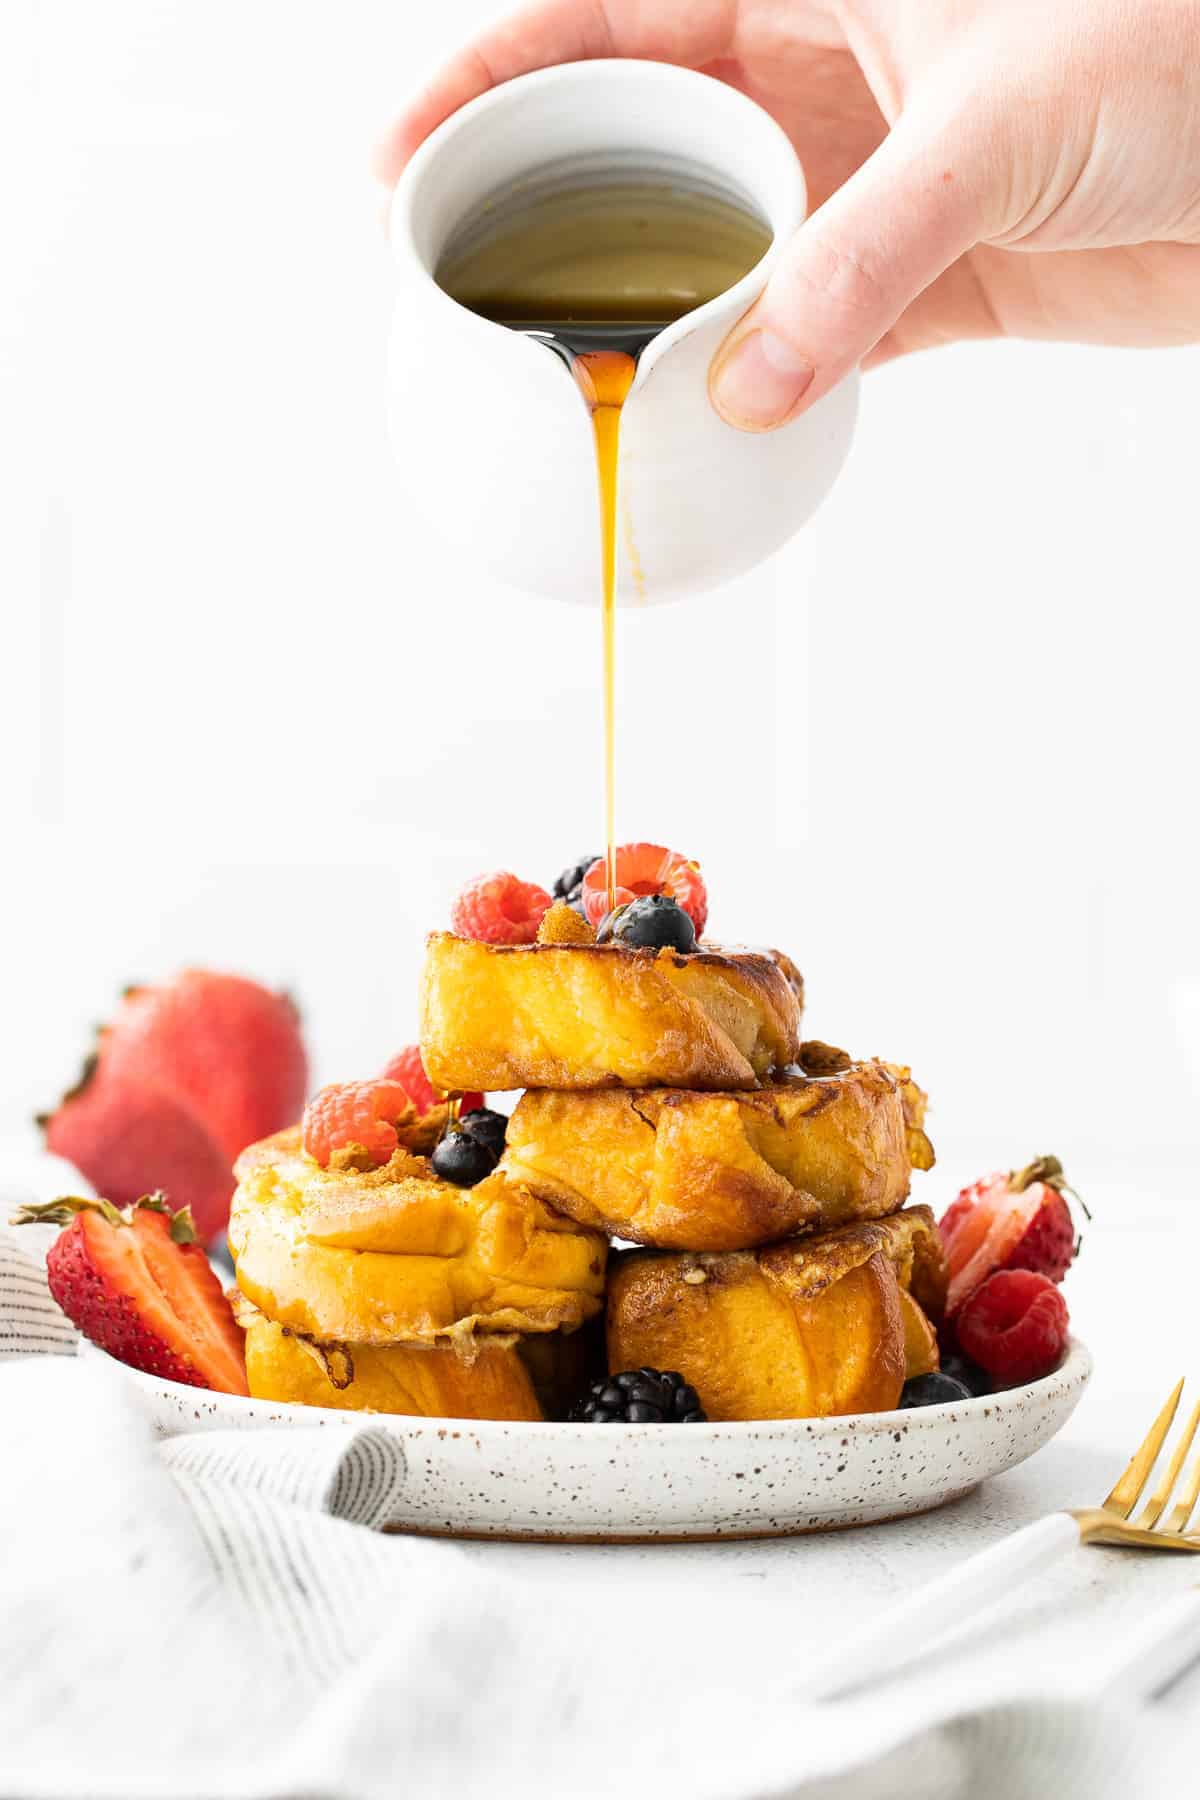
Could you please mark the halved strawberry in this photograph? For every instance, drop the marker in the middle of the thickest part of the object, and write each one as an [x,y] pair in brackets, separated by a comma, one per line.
[647,869]
[135,1281]
[1015,1221]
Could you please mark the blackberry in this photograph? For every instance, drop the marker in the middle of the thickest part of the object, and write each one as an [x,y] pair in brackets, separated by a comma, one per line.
[639,1397]
[571,880]
[934,1390]
[486,1127]
[462,1159]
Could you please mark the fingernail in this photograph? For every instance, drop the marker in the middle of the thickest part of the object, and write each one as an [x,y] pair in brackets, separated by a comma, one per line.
[759,380]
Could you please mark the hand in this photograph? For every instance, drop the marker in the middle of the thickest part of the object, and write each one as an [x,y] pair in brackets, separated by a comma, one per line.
[976,168]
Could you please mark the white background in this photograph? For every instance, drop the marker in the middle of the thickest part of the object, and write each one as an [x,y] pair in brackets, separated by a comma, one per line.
[943,750]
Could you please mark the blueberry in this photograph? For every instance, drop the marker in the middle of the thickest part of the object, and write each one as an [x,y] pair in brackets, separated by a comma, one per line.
[653,922]
[934,1390]
[974,1379]
[571,880]
[486,1127]
[462,1159]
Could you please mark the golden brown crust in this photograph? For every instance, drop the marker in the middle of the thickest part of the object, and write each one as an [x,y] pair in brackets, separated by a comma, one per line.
[922,1355]
[806,1266]
[916,1104]
[692,1171]
[432,1382]
[807,1328]
[395,1255]
[571,1016]
[787,968]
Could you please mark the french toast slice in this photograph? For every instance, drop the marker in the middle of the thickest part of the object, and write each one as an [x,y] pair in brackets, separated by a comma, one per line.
[572,1016]
[437,1381]
[808,1328]
[395,1255]
[701,1171]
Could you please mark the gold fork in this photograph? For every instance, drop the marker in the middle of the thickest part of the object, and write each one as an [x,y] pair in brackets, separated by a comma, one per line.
[902,1631]
[1109,1523]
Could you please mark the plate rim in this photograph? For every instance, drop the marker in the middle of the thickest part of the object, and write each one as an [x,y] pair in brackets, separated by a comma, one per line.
[1074,1371]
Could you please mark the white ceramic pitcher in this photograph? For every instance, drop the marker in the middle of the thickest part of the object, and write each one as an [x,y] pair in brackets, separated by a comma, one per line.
[491,433]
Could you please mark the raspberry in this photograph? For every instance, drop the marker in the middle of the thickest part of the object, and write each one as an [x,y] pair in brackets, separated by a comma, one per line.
[499,909]
[647,869]
[1015,1326]
[358,1113]
[407,1068]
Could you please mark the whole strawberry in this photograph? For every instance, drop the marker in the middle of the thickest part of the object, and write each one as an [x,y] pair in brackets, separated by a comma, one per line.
[136,1282]
[1020,1220]
[183,1077]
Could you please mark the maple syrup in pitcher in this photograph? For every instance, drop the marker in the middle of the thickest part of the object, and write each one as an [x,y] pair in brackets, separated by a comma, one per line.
[596,265]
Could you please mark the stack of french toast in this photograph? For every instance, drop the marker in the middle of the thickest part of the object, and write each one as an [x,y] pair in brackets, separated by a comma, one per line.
[443,1261]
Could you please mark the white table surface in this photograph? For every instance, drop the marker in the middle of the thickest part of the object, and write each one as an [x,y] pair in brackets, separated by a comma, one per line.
[1133,1301]
[764,1610]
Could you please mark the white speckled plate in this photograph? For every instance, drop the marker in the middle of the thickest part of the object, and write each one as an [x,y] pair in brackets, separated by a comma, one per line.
[636,1483]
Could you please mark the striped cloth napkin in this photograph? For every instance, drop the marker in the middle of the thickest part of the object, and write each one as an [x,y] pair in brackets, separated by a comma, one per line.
[219,1617]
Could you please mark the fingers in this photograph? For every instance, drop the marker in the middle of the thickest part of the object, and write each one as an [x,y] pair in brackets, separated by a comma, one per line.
[849,273]
[550,32]
[960,304]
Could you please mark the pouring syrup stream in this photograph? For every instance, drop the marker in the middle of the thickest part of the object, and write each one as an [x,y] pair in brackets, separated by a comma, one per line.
[604,378]
[595,269]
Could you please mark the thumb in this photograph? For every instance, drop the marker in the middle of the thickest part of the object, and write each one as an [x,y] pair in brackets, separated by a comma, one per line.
[850,271]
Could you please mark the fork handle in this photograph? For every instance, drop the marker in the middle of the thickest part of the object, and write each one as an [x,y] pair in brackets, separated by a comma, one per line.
[900,1633]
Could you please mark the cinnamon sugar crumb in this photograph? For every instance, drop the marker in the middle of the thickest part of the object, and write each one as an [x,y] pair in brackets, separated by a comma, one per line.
[351,1157]
[563,925]
[819,1059]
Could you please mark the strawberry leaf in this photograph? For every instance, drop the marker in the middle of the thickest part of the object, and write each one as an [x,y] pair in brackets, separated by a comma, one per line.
[183,1228]
[63,1210]
[69,1206]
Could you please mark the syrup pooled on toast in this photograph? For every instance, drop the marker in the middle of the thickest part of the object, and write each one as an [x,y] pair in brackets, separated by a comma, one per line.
[596,267]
